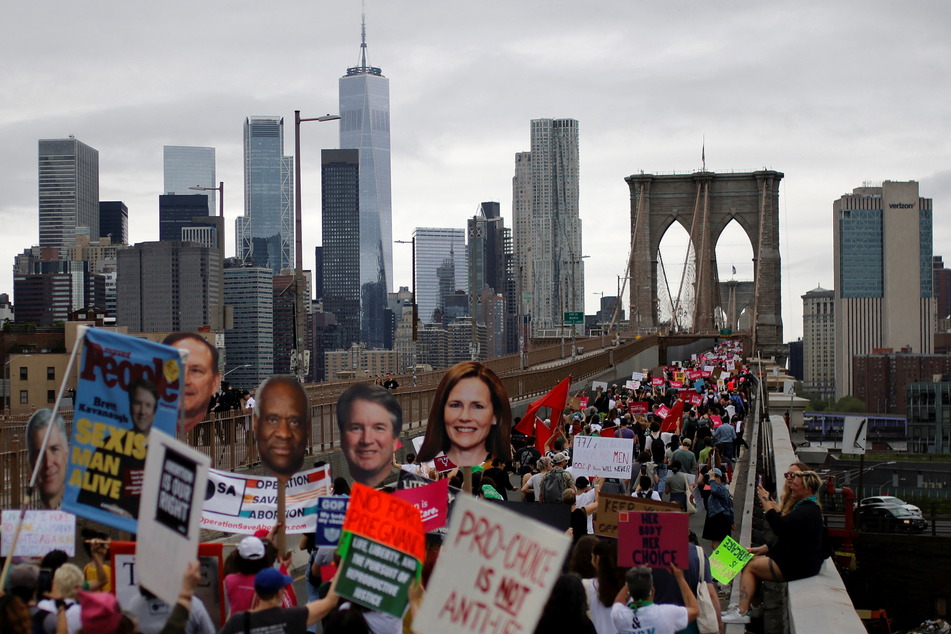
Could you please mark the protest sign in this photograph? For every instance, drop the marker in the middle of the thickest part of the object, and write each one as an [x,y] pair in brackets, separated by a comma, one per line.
[609,505]
[431,500]
[662,412]
[495,568]
[695,399]
[443,464]
[126,388]
[638,376]
[632,385]
[407,480]
[639,407]
[238,503]
[382,548]
[655,540]
[210,589]
[602,457]
[599,384]
[170,513]
[331,511]
[658,381]
[42,531]
[716,420]
[693,375]
[582,402]
[676,384]
[728,560]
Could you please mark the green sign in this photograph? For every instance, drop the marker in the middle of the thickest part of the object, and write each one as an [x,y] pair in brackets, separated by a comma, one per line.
[574,318]
[728,560]
[374,575]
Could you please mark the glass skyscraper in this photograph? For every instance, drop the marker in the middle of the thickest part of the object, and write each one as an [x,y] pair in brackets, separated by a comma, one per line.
[340,253]
[264,236]
[68,190]
[365,126]
[440,268]
[190,166]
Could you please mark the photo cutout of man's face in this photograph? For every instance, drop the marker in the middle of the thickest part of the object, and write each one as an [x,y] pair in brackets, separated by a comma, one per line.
[369,442]
[281,426]
[202,378]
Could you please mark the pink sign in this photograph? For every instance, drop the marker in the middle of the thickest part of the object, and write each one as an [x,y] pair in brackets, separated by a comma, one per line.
[677,384]
[693,375]
[583,402]
[662,411]
[657,381]
[431,500]
[654,540]
[695,399]
[717,421]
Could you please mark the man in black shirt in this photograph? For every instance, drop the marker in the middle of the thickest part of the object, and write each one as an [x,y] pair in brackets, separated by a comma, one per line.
[269,617]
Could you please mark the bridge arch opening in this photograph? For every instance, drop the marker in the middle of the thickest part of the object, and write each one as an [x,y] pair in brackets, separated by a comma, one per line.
[676,277]
[735,270]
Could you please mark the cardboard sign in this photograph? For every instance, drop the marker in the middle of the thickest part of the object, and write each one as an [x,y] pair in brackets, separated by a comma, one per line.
[728,560]
[210,589]
[238,503]
[170,514]
[331,511]
[126,388]
[42,532]
[655,540]
[602,457]
[606,519]
[374,575]
[431,500]
[495,572]
[386,519]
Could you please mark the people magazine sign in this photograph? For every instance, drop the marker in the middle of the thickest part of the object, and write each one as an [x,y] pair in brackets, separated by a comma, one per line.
[126,388]
[495,572]
[238,503]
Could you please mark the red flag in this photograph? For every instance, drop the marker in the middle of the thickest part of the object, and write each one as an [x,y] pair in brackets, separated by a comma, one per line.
[609,432]
[526,425]
[542,434]
[673,417]
[555,399]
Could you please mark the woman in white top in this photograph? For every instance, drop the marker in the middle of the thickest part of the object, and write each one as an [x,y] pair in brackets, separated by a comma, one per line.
[604,587]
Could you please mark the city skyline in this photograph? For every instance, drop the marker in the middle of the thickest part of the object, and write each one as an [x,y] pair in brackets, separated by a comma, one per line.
[653,87]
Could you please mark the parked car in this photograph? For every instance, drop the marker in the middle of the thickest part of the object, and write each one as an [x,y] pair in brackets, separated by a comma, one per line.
[889,519]
[890,500]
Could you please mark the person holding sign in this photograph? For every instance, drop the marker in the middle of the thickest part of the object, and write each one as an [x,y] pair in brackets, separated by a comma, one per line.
[635,611]
[470,417]
[796,553]
[281,422]
[51,479]
[269,616]
[370,420]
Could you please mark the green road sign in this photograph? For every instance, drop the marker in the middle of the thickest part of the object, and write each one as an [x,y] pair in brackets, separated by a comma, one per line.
[574,318]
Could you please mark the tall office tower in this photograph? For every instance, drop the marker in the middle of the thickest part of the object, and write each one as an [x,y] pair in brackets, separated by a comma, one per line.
[69,190]
[440,268]
[250,357]
[547,224]
[282,292]
[883,286]
[340,252]
[176,212]
[114,221]
[490,267]
[167,286]
[365,126]
[190,166]
[818,342]
[264,235]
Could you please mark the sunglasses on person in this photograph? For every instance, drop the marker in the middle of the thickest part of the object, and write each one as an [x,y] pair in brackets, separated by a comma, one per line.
[789,475]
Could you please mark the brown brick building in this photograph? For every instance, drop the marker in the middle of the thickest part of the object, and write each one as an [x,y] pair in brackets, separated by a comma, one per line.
[880,379]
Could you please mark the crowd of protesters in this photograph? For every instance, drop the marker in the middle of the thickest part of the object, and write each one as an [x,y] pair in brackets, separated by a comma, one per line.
[684,452]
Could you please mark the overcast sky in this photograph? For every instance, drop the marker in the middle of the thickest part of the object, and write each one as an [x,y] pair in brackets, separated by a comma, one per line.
[832,94]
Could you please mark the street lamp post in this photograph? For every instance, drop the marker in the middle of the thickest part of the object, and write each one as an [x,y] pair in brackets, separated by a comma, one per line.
[221,198]
[298,354]
[240,367]
[412,243]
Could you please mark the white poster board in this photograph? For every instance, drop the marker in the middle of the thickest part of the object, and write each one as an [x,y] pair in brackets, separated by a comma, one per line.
[495,567]
[602,457]
[42,532]
[175,480]
[599,384]
[854,431]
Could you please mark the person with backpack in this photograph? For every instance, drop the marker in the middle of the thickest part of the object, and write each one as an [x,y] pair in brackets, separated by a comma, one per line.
[556,481]
[646,490]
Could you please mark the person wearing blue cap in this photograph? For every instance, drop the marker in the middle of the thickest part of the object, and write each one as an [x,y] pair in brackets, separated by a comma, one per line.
[719,522]
[269,616]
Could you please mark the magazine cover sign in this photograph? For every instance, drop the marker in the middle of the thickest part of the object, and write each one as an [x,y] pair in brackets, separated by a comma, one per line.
[127,386]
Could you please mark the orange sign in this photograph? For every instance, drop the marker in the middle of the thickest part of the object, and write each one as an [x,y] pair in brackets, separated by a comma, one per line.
[386,519]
